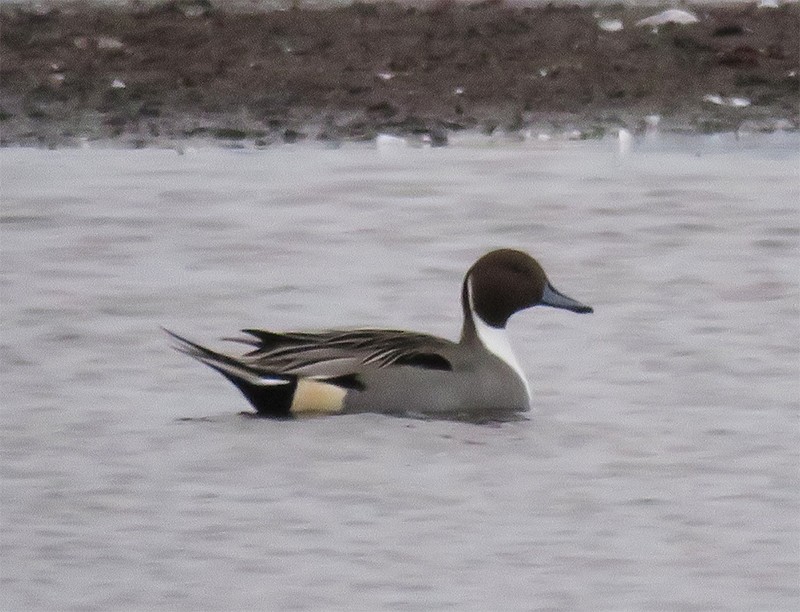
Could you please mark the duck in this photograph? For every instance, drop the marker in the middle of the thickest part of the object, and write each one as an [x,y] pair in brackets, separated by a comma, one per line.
[356,370]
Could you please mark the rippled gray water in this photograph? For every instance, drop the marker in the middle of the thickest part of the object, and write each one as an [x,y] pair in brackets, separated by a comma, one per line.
[659,471]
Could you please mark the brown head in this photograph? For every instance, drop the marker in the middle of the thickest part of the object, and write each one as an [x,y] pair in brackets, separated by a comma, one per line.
[505,281]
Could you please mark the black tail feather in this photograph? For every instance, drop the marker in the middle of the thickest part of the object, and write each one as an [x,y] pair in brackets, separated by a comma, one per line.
[272,398]
[274,401]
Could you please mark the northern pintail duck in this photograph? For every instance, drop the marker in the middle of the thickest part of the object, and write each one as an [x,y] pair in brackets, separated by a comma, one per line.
[398,372]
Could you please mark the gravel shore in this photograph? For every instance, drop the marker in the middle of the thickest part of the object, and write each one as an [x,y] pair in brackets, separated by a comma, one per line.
[142,74]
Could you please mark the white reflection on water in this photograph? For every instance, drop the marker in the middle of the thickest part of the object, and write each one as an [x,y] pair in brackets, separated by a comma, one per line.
[659,471]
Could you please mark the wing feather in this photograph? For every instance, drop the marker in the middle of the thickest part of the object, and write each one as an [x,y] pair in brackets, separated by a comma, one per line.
[341,352]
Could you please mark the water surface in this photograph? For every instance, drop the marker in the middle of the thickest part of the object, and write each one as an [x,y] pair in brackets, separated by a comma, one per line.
[658,471]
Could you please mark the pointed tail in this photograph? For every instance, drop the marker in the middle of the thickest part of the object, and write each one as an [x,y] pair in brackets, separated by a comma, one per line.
[270,393]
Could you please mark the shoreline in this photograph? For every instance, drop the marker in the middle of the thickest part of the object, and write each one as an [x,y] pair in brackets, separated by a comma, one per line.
[175,72]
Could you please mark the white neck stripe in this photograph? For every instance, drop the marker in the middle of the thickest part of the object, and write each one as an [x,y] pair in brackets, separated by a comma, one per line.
[495,340]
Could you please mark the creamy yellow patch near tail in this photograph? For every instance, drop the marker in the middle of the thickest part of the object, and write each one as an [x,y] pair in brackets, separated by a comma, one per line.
[314,396]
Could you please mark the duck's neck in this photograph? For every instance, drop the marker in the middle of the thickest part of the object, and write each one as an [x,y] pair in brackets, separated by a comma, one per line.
[469,334]
[477,333]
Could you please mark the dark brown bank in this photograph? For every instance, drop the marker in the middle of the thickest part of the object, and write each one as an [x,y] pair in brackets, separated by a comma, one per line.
[142,74]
